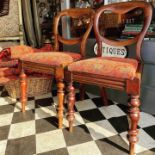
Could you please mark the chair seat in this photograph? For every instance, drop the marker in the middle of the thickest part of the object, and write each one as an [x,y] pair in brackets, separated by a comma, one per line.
[9,63]
[75,56]
[6,71]
[49,58]
[111,67]
[4,80]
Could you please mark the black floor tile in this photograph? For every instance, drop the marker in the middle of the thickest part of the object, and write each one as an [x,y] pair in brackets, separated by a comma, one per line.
[46,124]
[4,109]
[112,146]
[62,151]
[150,130]
[91,115]
[119,123]
[44,102]
[21,146]
[79,135]
[77,96]
[99,102]
[22,117]
[123,107]
[4,131]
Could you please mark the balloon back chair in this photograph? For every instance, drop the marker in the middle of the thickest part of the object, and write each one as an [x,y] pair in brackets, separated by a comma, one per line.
[54,62]
[112,72]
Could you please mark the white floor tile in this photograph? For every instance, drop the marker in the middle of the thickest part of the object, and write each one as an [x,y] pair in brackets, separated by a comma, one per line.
[146,120]
[3,147]
[29,105]
[22,129]
[78,120]
[101,129]
[111,111]
[6,100]
[145,141]
[89,148]
[44,112]
[50,141]
[85,105]
[48,95]
[6,119]
[92,95]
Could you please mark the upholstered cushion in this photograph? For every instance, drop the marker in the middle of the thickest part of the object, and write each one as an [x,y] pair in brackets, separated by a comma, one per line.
[75,56]
[18,51]
[4,80]
[49,58]
[112,67]
[10,63]
[4,72]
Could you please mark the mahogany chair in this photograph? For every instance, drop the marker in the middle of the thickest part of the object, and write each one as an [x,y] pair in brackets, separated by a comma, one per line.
[116,73]
[55,62]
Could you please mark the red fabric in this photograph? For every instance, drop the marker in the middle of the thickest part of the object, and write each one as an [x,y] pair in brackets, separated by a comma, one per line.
[9,63]
[111,67]
[49,58]
[4,72]
[18,51]
[4,80]
[5,53]
[75,56]
[15,52]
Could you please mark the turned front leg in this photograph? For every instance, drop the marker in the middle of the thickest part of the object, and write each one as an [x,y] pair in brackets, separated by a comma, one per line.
[23,89]
[71,103]
[60,94]
[134,115]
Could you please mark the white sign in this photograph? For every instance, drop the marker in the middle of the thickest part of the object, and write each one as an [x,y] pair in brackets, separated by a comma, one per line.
[112,51]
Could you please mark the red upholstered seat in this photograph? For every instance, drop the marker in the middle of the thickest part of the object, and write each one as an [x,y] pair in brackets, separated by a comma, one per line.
[4,80]
[9,63]
[111,67]
[18,51]
[49,58]
[75,56]
[4,72]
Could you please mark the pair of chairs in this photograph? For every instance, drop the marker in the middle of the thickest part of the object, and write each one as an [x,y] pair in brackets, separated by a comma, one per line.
[116,73]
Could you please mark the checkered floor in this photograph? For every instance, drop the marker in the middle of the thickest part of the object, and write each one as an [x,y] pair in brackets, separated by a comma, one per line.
[98,130]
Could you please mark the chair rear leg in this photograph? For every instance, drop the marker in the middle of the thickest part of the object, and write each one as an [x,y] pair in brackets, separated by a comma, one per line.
[23,88]
[82,91]
[71,103]
[104,96]
[134,115]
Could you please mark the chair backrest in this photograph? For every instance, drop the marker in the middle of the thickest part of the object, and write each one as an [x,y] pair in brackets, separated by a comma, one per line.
[75,13]
[123,9]
[12,24]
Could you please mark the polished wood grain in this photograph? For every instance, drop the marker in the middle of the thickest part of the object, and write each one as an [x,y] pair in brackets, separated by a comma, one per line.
[131,87]
[57,71]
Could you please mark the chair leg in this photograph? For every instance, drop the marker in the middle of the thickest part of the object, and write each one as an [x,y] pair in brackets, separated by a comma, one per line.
[134,115]
[60,94]
[23,87]
[82,91]
[104,96]
[71,102]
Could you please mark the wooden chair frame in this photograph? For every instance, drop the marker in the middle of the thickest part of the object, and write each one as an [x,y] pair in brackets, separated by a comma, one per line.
[57,71]
[132,87]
